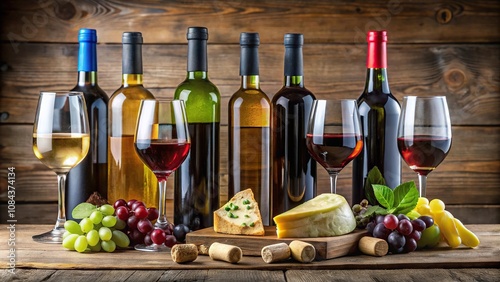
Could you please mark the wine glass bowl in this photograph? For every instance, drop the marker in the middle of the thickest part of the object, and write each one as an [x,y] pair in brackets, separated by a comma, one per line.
[61,140]
[334,136]
[162,142]
[424,135]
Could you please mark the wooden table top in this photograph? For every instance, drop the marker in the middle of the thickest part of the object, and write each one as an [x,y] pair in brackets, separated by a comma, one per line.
[50,262]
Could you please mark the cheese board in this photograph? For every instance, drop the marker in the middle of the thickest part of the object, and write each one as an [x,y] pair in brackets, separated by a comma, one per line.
[326,247]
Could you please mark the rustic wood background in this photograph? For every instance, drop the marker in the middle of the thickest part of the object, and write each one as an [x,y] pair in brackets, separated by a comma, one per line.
[443,47]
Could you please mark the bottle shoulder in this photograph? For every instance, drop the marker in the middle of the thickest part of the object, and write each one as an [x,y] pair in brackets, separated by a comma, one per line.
[250,97]
[132,92]
[373,100]
[293,94]
[197,87]
[92,92]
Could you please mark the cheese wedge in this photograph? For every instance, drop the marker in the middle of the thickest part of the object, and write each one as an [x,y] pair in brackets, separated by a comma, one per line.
[325,215]
[241,215]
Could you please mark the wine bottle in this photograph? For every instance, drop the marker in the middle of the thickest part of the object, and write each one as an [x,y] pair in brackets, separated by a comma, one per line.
[249,130]
[128,177]
[91,175]
[196,187]
[379,111]
[294,170]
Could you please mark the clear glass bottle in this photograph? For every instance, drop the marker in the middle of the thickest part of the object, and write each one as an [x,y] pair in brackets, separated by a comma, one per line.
[249,130]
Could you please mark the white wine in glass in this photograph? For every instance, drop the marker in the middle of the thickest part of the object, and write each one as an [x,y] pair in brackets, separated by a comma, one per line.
[61,140]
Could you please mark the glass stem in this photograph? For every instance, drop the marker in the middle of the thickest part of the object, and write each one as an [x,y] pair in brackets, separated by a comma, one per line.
[333,182]
[162,207]
[61,205]
[422,184]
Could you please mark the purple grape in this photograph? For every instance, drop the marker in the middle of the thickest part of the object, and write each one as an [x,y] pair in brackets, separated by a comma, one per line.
[410,246]
[429,221]
[418,224]
[144,226]
[391,221]
[405,227]
[415,235]
[396,241]
[379,219]
[403,216]
[370,226]
[380,231]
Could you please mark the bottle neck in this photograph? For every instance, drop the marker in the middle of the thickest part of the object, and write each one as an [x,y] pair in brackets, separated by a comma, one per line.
[132,59]
[87,57]
[86,78]
[250,82]
[294,67]
[197,55]
[197,75]
[376,81]
[131,79]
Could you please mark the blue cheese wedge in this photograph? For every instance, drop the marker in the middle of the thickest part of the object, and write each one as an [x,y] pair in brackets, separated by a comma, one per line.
[240,215]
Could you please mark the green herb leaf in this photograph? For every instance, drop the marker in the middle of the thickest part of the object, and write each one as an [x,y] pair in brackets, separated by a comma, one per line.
[374,210]
[405,198]
[83,210]
[374,177]
[384,195]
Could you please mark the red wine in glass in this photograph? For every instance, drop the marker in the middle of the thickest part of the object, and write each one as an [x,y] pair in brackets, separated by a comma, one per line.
[334,136]
[334,151]
[162,156]
[424,135]
[423,153]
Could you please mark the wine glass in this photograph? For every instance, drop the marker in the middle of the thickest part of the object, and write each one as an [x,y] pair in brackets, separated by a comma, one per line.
[162,142]
[424,135]
[334,136]
[61,140]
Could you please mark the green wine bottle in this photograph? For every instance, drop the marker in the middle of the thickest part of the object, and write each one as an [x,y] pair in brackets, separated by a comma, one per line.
[196,188]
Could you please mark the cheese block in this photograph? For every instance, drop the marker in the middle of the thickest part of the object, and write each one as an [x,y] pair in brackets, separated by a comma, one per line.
[241,215]
[323,216]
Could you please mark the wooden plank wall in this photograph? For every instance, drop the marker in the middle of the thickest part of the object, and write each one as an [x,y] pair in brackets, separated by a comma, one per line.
[445,47]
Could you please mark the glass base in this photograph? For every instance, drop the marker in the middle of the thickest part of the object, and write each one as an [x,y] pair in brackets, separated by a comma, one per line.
[52,237]
[153,248]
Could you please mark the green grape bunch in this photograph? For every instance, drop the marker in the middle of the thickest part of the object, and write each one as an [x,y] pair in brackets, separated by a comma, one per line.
[99,229]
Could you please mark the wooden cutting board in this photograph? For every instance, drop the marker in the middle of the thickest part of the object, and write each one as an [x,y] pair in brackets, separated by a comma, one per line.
[326,247]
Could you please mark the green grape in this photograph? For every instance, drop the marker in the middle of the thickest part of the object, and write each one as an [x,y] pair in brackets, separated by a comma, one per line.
[69,241]
[97,226]
[93,238]
[73,227]
[108,246]
[120,224]
[86,225]
[121,239]
[96,217]
[105,233]
[96,248]
[109,221]
[81,244]
[66,234]
[107,209]
[430,237]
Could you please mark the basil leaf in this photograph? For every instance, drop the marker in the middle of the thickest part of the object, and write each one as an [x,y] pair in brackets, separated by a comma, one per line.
[83,210]
[374,210]
[374,177]
[384,195]
[401,191]
[408,201]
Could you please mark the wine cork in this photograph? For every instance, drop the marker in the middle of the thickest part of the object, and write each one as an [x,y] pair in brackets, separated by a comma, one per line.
[302,251]
[275,252]
[182,253]
[202,250]
[224,252]
[373,246]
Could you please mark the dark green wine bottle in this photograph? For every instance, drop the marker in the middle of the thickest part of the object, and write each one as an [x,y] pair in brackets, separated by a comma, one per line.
[196,188]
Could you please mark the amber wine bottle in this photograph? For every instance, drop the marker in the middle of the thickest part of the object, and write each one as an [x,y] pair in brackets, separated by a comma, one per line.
[196,187]
[294,170]
[91,175]
[128,177]
[379,111]
[249,130]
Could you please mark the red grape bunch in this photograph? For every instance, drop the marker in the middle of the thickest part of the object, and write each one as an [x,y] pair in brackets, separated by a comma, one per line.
[140,229]
[401,233]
